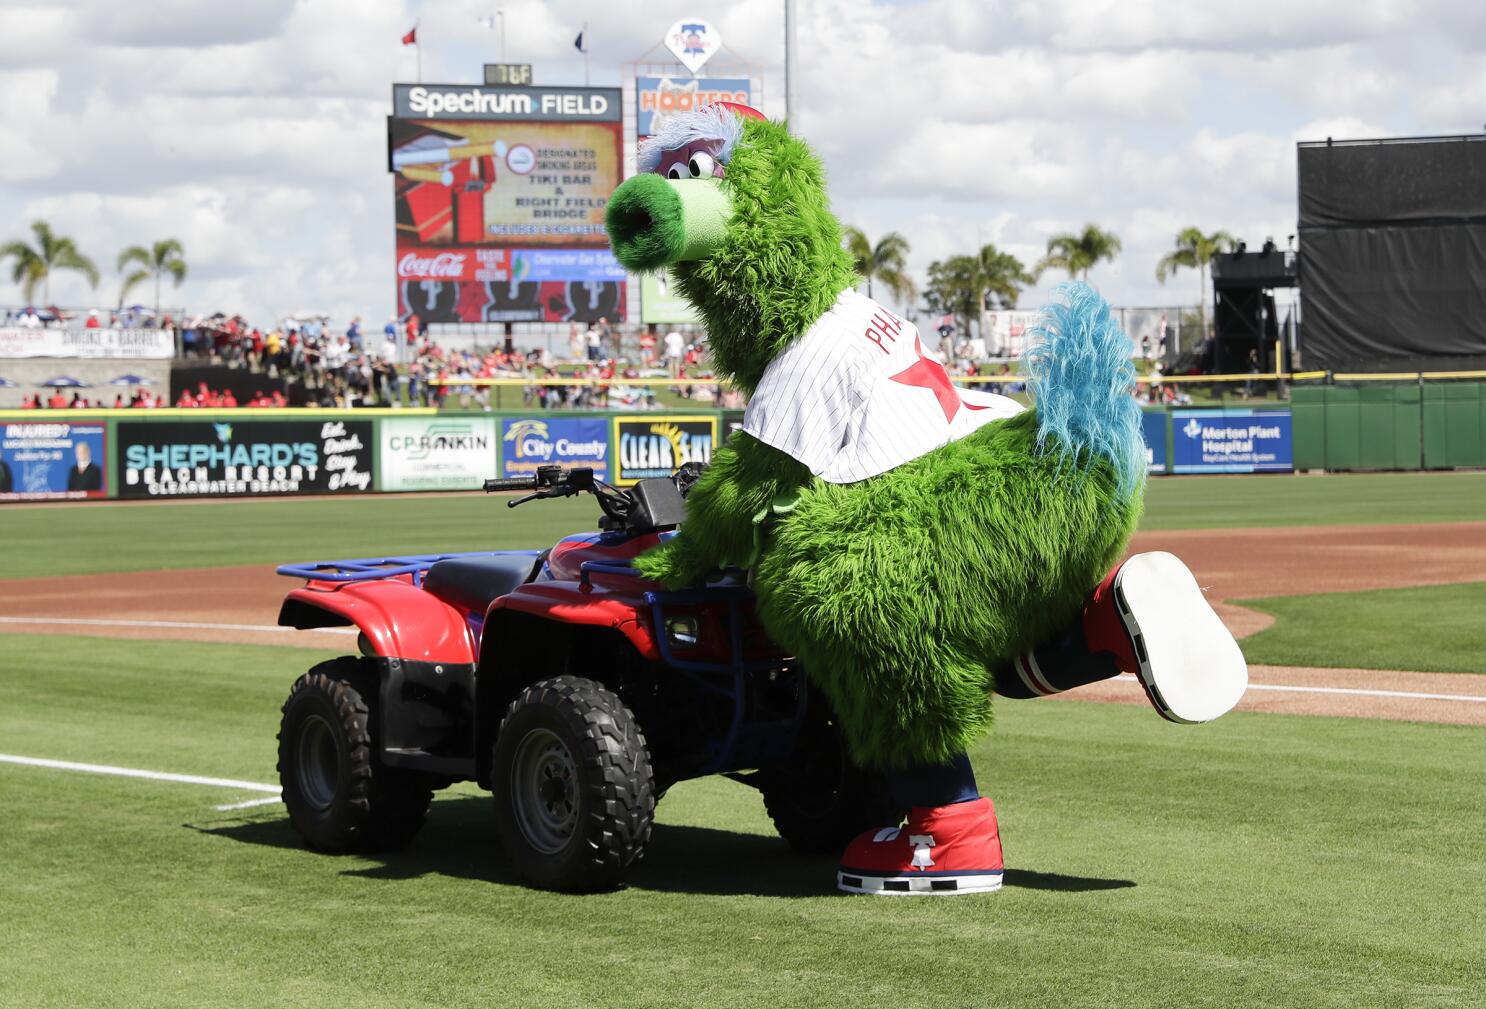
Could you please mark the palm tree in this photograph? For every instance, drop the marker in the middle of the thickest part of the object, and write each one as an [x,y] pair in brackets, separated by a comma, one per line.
[34,266]
[1194,250]
[1002,277]
[965,286]
[1080,253]
[166,256]
[886,261]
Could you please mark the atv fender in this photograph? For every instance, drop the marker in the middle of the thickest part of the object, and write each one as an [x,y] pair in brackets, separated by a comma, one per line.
[397,619]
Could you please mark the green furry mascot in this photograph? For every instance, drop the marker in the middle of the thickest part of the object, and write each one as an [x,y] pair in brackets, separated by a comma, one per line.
[916,545]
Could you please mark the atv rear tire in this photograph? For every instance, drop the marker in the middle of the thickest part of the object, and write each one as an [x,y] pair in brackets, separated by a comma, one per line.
[574,790]
[819,800]
[340,797]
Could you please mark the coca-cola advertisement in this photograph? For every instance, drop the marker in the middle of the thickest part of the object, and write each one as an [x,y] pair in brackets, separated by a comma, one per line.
[501,218]
[510,285]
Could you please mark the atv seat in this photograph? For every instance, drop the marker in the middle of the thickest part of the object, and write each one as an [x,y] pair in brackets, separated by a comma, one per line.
[476,582]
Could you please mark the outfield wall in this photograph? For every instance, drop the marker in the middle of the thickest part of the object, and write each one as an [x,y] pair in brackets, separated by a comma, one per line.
[142,455]
[1386,426]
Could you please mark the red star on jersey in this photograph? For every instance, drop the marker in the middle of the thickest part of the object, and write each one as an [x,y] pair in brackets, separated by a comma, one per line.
[928,373]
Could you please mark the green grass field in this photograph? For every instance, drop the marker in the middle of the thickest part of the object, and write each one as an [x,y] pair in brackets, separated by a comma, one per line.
[1433,629]
[1263,860]
[73,539]
[1259,861]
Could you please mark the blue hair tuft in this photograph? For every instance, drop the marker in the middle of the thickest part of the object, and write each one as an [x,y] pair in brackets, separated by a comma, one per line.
[715,122]
[1080,371]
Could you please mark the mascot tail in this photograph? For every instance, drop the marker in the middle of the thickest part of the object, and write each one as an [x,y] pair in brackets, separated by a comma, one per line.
[1081,374]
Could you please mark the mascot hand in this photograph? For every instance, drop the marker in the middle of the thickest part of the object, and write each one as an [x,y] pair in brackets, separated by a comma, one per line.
[673,565]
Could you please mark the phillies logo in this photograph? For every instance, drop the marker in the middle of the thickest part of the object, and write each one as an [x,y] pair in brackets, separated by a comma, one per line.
[445,264]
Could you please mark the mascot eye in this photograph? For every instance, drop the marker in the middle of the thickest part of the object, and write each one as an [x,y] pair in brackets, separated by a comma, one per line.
[701,165]
[677,171]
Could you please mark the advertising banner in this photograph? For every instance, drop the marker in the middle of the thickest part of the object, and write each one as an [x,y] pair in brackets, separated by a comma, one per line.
[436,453]
[1231,441]
[1006,332]
[120,344]
[53,461]
[529,442]
[500,199]
[660,304]
[243,458]
[1153,427]
[659,98]
[656,446]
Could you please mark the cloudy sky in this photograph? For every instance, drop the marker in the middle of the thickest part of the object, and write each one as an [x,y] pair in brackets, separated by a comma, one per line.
[254,130]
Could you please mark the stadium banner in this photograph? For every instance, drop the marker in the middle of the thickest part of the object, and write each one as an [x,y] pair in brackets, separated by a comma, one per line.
[53,460]
[529,442]
[499,202]
[1153,427]
[435,453]
[248,458]
[659,98]
[1006,332]
[663,305]
[1231,441]
[103,344]
[657,446]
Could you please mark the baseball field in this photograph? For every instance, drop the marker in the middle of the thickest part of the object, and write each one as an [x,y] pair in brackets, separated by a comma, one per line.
[1324,845]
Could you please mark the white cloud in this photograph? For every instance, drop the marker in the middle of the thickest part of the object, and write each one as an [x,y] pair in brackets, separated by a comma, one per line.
[254,132]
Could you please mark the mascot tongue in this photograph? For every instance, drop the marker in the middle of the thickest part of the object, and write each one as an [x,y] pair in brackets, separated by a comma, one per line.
[654,221]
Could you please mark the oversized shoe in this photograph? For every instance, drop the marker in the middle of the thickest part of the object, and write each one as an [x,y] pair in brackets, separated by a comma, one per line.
[1152,615]
[942,851]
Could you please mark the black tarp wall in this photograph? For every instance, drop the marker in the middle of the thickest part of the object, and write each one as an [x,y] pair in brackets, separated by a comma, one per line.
[1393,253]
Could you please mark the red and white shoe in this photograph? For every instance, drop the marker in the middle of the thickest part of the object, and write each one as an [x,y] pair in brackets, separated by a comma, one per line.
[1152,615]
[941,851]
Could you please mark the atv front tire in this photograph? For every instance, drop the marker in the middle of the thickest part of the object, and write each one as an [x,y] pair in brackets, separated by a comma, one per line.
[340,797]
[574,790]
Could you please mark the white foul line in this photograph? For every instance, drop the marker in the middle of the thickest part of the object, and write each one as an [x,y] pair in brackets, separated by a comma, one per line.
[183,624]
[1355,691]
[130,772]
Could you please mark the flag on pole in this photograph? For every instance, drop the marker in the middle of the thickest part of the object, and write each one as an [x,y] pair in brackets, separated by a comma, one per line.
[411,38]
[578,42]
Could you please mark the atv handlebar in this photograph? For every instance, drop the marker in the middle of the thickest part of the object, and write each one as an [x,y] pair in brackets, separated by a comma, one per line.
[513,483]
[639,507]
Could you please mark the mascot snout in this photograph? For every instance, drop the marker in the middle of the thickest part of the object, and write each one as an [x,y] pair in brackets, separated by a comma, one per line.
[654,222]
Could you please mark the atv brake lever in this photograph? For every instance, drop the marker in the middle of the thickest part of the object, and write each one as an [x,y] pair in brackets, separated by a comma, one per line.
[561,490]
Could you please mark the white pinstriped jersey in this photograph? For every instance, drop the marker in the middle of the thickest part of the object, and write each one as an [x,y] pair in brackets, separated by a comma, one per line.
[858,395]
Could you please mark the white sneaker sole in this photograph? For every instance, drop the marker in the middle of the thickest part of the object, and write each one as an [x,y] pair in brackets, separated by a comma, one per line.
[920,885]
[1191,667]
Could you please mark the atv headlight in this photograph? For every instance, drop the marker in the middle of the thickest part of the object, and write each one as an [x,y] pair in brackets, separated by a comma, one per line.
[682,632]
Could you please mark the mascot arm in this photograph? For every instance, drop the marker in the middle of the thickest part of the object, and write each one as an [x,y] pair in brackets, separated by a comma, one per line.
[741,483]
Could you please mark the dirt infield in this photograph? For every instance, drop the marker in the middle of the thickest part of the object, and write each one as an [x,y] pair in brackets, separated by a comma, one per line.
[240,604]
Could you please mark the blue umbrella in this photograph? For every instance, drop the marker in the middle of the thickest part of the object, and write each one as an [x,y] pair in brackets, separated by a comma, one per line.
[131,380]
[66,382]
[6,383]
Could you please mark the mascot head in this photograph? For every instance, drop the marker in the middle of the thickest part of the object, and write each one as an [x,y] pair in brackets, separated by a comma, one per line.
[736,208]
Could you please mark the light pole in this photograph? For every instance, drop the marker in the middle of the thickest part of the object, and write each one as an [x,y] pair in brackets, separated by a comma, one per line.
[790,112]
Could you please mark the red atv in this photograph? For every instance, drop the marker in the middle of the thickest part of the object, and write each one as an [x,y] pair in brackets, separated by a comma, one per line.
[573,689]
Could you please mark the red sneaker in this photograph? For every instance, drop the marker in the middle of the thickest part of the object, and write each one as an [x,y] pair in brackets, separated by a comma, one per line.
[944,850]
[1151,614]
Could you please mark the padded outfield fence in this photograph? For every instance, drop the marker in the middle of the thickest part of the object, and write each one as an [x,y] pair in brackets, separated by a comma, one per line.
[1359,424]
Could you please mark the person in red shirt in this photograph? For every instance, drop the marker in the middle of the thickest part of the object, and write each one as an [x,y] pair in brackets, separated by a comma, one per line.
[92,322]
[186,399]
[57,401]
[412,328]
[228,399]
